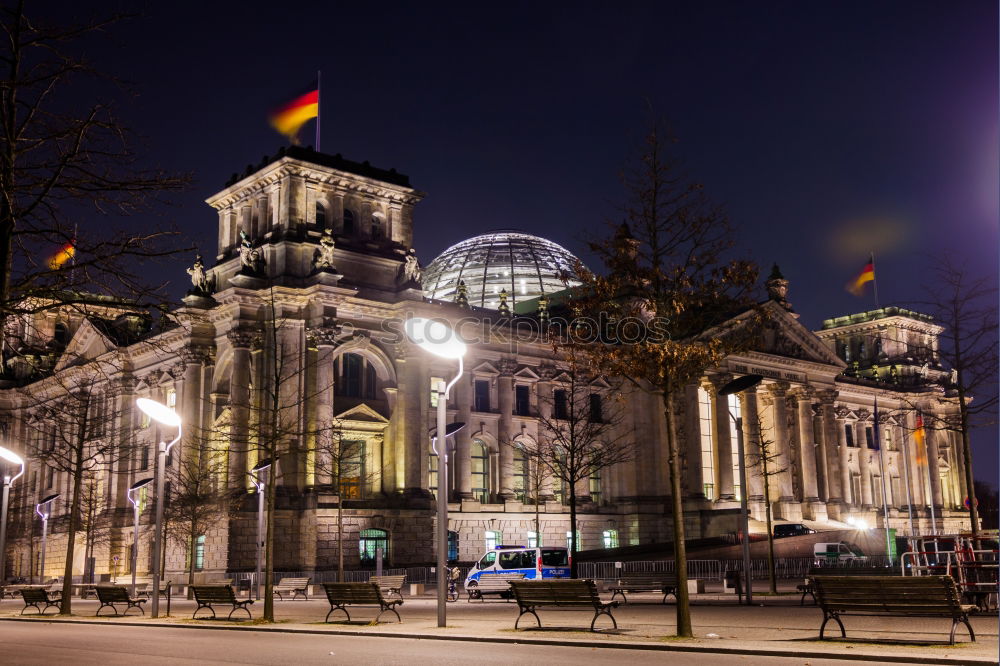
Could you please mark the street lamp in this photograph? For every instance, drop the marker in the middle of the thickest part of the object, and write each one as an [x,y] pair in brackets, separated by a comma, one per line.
[739,385]
[135,539]
[442,341]
[11,457]
[45,527]
[168,417]
[259,481]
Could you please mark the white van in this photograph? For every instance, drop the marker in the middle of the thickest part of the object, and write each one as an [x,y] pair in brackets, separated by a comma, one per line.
[835,553]
[543,562]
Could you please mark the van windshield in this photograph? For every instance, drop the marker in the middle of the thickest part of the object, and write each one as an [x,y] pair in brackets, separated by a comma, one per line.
[555,557]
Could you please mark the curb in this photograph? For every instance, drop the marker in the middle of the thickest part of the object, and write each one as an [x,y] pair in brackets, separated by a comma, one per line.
[885,658]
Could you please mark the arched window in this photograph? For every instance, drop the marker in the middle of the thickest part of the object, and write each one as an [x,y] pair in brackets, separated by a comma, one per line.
[371,540]
[348,222]
[320,220]
[480,471]
[199,552]
[378,228]
[521,486]
[61,334]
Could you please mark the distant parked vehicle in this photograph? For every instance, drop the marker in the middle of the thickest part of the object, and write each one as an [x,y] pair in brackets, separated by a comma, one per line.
[791,529]
[837,553]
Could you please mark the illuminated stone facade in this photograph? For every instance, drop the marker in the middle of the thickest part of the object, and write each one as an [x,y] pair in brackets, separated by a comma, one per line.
[326,251]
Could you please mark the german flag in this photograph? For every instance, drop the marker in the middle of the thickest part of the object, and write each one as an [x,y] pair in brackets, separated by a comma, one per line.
[867,274]
[291,116]
[918,437]
[64,254]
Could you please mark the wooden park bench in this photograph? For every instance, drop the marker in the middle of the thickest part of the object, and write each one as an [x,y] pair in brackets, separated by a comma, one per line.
[493,583]
[293,586]
[560,594]
[807,588]
[341,595]
[38,595]
[208,596]
[907,596]
[143,583]
[390,584]
[109,595]
[665,583]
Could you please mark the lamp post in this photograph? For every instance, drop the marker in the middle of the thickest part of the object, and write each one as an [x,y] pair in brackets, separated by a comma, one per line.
[168,417]
[450,430]
[135,511]
[11,457]
[739,385]
[442,341]
[44,514]
[259,482]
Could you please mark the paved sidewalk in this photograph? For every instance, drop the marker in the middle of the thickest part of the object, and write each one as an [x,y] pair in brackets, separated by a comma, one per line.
[778,627]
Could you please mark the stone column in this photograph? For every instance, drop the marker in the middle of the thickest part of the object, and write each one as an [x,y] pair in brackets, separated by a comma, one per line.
[505,403]
[239,405]
[932,464]
[723,438]
[960,485]
[191,400]
[545,373]
[843,456]
[414,396]
[807,447]
[751,444]
[864,457]
[123,397]
[777,392]
[324,340]
[916,469]
[462,464]
[828,427]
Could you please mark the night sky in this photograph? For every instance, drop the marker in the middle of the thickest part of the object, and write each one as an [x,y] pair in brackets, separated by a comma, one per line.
[827,129]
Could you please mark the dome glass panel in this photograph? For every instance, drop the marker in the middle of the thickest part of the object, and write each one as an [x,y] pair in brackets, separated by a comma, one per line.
[526,266]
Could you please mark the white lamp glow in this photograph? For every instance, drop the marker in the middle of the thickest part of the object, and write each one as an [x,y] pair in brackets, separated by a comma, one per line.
[435,337]
[159,412]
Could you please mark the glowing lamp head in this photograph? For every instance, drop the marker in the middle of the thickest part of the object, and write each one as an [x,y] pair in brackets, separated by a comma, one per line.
[159,412]
[10,456]
[435,337]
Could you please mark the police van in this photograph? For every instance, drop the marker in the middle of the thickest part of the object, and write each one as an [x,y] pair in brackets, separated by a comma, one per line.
[542,562]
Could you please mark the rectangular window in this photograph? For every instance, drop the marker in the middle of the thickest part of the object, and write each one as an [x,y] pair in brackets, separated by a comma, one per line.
[533,539]
[707,445]
[596,413]
[434,390]
[352,469]
[869,442]
[432,474]
[351,377]
[610,538]
[560,404]
[735,409]
[849,434]
[144,463]
[482,395]
[522,400]
[856,488]
[493,539]
[887,443]
[595,487]
[51,477]
[171,398]
[371,382]
[569,541]
[199,553]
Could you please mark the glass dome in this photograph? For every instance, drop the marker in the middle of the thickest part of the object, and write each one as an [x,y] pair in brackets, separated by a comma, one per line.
[526,266]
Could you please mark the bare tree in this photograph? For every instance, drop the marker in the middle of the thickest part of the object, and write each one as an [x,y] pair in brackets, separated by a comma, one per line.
[197,498]
[668,276]
[966,307]
[581,434]
[78,430]
[767,462]
[95,521]
[61,164]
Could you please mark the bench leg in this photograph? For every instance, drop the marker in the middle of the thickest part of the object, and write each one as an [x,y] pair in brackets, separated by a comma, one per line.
[200,606]
[336,608]
[388,608]
[134,605]
[103,606]
[35,606]
[826,618]
[616,593]
[604,611]
[525,612]
[964,619]
[242,608]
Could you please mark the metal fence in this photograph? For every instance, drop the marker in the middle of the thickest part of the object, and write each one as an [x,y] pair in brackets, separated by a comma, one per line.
[425,575]
[715,570]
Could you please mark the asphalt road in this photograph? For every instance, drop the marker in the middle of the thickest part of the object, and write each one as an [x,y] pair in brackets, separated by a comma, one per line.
[78,644]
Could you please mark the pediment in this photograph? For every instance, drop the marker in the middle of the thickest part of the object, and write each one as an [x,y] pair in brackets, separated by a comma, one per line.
[600,383]
[87,344]
[526,373]
[784,336]
[362,413]
[486,368]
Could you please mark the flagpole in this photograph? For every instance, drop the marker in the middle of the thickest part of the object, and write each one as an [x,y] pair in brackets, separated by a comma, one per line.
[875,281]
[881,467]
[319,105]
